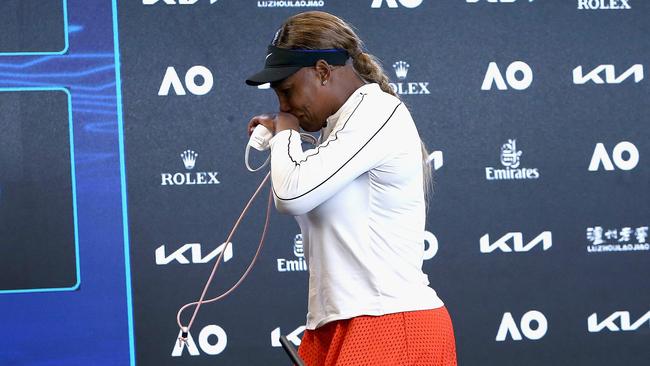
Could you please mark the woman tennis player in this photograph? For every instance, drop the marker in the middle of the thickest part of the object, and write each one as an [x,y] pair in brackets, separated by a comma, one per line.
[358,196]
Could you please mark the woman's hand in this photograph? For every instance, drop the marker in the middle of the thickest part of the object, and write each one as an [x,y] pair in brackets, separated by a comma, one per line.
[267,120]
[274,122]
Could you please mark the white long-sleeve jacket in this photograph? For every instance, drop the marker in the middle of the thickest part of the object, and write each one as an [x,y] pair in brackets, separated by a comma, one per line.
[358,198]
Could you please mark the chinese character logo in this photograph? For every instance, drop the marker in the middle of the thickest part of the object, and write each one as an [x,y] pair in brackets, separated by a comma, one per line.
[614,240]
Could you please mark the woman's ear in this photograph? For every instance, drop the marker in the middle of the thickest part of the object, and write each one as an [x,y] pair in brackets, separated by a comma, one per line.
[323,71]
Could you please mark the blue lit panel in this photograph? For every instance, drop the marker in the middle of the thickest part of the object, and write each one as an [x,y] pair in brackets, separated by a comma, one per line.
[38,231]
[33,27]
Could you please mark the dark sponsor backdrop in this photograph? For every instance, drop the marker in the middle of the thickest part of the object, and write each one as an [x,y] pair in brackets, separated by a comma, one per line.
[479,75]
[536,114]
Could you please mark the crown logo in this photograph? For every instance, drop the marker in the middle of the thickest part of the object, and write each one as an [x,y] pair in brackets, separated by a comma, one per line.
[189,158]
[401,69]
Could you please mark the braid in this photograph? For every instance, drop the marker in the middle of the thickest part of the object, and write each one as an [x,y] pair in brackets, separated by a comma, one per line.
[369,69]
[280,35]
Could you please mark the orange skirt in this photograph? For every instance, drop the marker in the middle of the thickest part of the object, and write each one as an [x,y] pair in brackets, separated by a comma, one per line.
[414,338]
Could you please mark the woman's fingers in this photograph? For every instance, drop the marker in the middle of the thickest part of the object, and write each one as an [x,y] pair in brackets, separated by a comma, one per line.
[266,120]
[251,125]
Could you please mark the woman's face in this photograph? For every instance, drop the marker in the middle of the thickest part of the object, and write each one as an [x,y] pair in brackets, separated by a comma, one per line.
[302,95]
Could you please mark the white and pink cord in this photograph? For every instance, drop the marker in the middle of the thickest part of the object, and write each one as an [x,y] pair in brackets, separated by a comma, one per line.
[185,329]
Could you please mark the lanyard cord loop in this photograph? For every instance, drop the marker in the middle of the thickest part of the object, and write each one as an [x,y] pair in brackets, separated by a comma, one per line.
[185,329]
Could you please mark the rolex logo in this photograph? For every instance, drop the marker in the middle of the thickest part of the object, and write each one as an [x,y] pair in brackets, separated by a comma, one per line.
[188,178]
[189,159]
[412,87]
[401,69]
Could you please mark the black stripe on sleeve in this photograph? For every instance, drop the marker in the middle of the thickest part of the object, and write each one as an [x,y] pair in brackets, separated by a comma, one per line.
[288,147]
[344,164]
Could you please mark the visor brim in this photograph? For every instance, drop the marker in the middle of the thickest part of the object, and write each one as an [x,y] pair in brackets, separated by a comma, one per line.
[272,74]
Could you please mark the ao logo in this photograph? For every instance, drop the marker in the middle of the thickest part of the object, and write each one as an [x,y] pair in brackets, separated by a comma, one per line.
[610,322]
[294,336]
[600,156]
[204,342]
[430,245]
[393,3]
[545,238]
[493,75]
[172,80]
[508,326]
